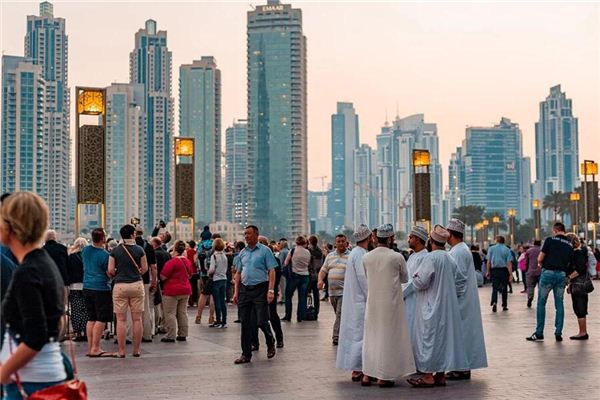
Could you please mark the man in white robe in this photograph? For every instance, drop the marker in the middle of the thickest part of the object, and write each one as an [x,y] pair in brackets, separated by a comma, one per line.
[387,352]
[438,344]
[349,353]
[468,301]
[417,240]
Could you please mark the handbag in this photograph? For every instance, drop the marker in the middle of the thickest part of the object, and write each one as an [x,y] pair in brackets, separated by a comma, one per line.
[581,288]
[72,389]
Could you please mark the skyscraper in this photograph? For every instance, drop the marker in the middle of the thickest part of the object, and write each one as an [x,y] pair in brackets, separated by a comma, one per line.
[277,119]
[236,175]
[23,114]
[492,163]
[344,141]
[364,195]
[556,145]
[150,65]
[125,138]
[46,45]
[200,118]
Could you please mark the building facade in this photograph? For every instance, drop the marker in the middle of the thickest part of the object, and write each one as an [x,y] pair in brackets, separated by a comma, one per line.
[200,118]
[46,45]
[556,145]
[344,142]
[365,195]
[150,66]
[125,144]
[277,136]
[236,173]
[24,156]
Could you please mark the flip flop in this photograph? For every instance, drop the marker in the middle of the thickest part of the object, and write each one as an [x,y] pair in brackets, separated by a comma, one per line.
[118,355]
[102,354]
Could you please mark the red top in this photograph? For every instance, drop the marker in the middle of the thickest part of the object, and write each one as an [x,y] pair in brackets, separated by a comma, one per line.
[176,277]
[190,253]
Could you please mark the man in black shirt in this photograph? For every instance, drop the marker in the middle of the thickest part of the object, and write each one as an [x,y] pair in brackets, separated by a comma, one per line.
[555,258]
[58,253]
[150,279]
[161,259]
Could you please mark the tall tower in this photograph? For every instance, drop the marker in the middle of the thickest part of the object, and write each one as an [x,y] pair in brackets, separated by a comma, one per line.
[150,65]
[344,142]
[556,145]
[200,118]
[236,167]
[46,44]
[23,114]
[277,135]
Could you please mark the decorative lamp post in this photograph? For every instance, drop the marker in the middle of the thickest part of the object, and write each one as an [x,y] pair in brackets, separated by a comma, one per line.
[575,197]
[184,174]
[485,224]
[590,194]
[421,162]
[512,213]
[496,221]
[537,218]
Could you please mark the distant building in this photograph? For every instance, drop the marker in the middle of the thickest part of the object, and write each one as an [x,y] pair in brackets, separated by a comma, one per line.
[318,212]
[556,145]
[344,142]
[229,231]
[277,133]
[236,173]
[150,66]
[365,194]
[200,118]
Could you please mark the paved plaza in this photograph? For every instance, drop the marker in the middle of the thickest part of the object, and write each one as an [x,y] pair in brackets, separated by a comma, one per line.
[202,367]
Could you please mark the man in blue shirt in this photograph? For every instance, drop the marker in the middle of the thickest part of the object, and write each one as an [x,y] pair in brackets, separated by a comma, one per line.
[499,268]
[254,291]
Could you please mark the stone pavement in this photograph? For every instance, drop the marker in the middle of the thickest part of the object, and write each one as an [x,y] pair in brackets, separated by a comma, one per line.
[202,367]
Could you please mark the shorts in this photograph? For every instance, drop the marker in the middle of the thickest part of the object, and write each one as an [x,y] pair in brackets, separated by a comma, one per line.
[205,285]
[128,295]
[99,305]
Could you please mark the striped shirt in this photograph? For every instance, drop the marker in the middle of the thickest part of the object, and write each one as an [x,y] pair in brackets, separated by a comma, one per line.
[335,268]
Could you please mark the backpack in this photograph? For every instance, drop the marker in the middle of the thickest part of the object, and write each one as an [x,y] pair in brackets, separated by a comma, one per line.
[311,312]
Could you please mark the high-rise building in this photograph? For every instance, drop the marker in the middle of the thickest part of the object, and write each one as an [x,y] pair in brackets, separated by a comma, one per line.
[277,134]
[236,175]
[344,141]
[24,157]
[456,182]
[46,44]
[556,145]
[395,144]
[365,194]
[125,143]
[317,212]
[150,65]
[492,166]
[200,118]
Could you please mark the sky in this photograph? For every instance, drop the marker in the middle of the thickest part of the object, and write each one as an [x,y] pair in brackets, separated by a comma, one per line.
[459,63]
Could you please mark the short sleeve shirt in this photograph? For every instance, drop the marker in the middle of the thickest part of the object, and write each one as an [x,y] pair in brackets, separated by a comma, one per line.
[95,265]
[558,253]
[335,268]
[499,255]
[127,271]
[254,264]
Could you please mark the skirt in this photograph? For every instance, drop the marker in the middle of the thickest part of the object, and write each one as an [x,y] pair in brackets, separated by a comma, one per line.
[79,316]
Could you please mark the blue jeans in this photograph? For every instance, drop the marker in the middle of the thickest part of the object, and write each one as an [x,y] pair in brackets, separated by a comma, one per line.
[299,282]
[219,293]
[11,392]
[555,281]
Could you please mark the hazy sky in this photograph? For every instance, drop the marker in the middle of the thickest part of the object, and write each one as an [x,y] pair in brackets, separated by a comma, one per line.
[458,63]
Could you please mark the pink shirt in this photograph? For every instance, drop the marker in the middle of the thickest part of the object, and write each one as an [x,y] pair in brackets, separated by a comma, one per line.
[176,277]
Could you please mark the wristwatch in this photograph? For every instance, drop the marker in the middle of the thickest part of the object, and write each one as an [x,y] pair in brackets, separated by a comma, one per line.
[271,290]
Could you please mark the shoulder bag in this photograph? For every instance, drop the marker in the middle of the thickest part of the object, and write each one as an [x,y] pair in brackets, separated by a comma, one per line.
[139,269]
[584,286]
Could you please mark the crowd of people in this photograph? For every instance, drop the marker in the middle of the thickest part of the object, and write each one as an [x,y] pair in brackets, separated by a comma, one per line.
[413,314]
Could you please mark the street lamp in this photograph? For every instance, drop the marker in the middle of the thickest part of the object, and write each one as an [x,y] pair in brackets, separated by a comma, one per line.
[512,213]
[575,197]
[421,161]
[485,223]
[537,218]
[590,194]
[184,175]
[496,220]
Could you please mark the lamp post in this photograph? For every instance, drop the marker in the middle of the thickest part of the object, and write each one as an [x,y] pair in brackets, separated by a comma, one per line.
[537,218]
[485,223]
[421,162]
[575,197]
[496,221]
[590,194]
[184,174]
[512,213]
[479,234]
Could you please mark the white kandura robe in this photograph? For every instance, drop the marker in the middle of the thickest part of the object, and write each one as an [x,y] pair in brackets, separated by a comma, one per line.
[410,297]
[349,352]
[438,338]
[468,303]
[387,352]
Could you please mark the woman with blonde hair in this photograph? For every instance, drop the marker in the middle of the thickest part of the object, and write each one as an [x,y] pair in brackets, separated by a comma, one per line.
[33,305]
[77,310]
[578,275]
[218,273]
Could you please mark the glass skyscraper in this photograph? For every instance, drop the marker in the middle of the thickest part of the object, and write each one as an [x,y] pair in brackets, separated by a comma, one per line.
[364,196]
[556,145]
[277,135]
[236,172]
[46,45]
[24,159]
[125,135]
[200,118]
[150,66]
[344,142]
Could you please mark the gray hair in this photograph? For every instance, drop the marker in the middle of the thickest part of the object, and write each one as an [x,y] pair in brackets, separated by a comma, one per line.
[78,244]
[50,235]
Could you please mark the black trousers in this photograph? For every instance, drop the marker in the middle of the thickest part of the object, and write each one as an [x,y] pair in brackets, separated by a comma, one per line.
[499,284]
[275,324]
[252,303]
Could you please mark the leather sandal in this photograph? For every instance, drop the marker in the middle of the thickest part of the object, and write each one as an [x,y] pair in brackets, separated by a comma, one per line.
[357,376]
[419,382]
[458,375]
